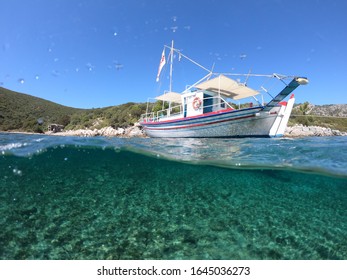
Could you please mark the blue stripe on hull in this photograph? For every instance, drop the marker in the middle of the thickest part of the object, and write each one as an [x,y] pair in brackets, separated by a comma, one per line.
[246,125]
[203,119]
[200,125]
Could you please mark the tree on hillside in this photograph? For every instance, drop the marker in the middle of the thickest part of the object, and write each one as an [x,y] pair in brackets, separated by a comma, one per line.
[64,120]
[303,108]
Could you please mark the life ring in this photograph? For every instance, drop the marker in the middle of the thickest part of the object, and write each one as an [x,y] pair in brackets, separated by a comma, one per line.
[197,103]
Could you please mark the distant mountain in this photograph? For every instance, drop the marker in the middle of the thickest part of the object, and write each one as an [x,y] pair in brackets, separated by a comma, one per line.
[332,116]
[23,112]
[333,110]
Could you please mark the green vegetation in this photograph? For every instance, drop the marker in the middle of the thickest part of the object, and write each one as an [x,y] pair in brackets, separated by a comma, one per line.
[23,112]
[116,116]
[301,114]
[309,120]
[303,108]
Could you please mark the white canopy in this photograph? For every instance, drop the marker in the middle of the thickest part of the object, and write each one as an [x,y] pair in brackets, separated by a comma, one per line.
[227,87]
[170,97]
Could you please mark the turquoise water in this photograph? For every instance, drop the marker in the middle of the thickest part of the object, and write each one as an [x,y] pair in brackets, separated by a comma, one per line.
[100,198]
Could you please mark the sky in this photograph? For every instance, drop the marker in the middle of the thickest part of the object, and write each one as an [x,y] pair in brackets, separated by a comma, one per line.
[98,53]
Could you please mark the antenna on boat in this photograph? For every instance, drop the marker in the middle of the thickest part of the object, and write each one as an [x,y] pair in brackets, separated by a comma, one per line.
[247,77]
[213,67]
[186,57]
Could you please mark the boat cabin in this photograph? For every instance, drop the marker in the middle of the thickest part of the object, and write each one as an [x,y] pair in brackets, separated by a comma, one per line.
[204,98]
[201,102]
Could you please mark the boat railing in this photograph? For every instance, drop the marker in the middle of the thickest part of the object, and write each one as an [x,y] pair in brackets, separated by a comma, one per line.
[147,117]
[171,112]
[218,103]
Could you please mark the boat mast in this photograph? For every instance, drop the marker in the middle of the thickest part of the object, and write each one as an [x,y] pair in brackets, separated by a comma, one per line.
[171,61]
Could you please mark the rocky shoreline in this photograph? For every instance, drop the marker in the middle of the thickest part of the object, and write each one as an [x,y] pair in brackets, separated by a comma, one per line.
[132,131]
[136,131]
[300,130]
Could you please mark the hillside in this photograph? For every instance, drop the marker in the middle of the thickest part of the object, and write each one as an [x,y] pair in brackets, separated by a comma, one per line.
[332,116]
[26,113]
[333,110]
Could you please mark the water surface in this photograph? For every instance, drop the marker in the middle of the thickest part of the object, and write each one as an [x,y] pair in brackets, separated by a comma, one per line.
[100,198]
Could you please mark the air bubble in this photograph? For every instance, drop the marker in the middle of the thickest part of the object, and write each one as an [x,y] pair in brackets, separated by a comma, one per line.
[90,66]
[17,172]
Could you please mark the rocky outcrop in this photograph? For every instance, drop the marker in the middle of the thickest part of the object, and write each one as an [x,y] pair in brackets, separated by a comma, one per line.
[132,131]
[136,131]
[334,110]
[331,110]
[303,131]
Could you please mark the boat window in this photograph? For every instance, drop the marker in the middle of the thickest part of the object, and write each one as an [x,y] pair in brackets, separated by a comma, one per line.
[207,103]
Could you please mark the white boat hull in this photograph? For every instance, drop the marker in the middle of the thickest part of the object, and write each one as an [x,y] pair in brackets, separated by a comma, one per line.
[238,123]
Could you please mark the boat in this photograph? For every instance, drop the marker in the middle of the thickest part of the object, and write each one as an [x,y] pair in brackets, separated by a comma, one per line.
[207,109]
